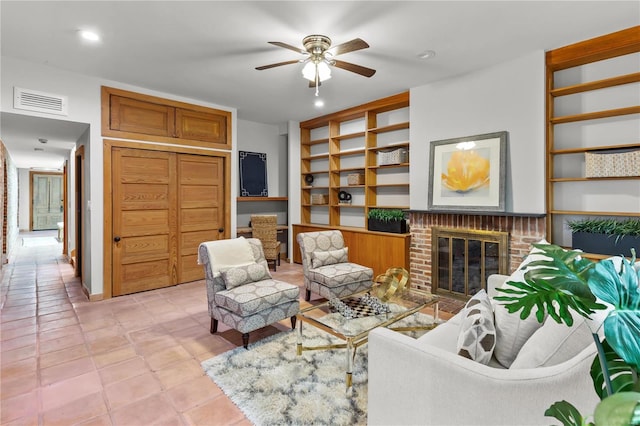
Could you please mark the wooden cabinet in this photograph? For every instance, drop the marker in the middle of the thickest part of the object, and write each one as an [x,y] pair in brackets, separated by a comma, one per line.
[593,107]
[378,250]
[136,116]
[337,148]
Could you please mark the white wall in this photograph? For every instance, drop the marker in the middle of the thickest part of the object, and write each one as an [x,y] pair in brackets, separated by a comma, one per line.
[23,200]
[264,138]
[508,96]
[294,178]
[84,106]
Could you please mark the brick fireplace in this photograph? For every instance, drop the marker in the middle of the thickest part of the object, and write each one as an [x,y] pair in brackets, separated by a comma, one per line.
[522,230]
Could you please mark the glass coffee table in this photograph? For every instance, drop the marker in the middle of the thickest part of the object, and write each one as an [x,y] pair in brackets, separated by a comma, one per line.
[351,318]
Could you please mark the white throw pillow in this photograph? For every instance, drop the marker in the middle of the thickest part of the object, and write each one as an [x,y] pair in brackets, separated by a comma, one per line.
[511,331]
[477,337]
[329,257]
[554,343]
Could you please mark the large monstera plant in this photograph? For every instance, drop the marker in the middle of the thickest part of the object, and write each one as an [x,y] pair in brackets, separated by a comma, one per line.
[564,279]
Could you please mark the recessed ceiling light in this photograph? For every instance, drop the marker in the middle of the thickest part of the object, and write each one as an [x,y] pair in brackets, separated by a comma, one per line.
[426,54]
[319,103]
[89,35]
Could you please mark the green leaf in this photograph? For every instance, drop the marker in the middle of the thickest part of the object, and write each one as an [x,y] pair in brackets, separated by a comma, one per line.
[623,375]
[622,325]
[561,277]
[620,409]
[565,412]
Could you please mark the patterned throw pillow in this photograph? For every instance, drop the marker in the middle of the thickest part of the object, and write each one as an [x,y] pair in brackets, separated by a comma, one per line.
[330,257]
[477,337]
[245,274]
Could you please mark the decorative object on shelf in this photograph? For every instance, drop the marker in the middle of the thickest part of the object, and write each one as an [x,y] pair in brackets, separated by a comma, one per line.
[253,174]
[612,163]
[605,236]
[468,173]
[319,199]
[308,179]
[393,156]
[344,197]
[355,179]
[387,220]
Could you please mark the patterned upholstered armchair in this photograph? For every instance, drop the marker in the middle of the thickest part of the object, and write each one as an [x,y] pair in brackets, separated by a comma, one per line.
[326,267]
[240,290]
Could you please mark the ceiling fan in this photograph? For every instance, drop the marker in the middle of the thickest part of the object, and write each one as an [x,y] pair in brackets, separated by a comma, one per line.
[319,56]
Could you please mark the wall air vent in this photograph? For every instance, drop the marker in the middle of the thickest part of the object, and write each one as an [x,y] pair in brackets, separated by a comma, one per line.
[32,100]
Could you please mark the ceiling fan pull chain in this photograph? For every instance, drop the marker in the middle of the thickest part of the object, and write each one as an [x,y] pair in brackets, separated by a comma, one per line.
[317,80]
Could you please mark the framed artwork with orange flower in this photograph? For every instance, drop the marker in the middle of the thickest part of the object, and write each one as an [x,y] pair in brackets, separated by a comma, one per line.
[468,173]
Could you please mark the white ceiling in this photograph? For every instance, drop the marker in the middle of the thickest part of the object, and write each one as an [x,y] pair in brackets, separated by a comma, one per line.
[208,50]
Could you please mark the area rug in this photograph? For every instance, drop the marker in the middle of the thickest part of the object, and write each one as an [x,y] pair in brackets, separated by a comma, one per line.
[274,386]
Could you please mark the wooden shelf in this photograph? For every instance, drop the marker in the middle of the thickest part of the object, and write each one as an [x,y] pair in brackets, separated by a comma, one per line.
[595,148]
[596,115]
[245,199]
[390,128]
[390,146]
[352,148]
[349,136]
[595,85]
[317,142]
[593,213]
[389,166]
[563,201]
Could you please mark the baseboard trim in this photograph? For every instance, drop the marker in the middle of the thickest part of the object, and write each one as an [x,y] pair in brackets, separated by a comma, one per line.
[92,297]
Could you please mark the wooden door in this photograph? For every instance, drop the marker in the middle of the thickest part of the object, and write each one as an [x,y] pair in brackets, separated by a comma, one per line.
[47,201]
[201,126]
[201,208]
[137,116]
[144,220]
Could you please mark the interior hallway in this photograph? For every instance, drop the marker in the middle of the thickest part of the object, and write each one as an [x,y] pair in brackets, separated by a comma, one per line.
[130,360]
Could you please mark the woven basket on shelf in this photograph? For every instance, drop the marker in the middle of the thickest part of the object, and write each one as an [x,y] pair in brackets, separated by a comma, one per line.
[319,199]
[612,164]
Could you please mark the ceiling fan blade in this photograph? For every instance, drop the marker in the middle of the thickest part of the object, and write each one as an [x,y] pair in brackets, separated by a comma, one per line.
[349,46]
[279,64]
[288,46]
[358,69]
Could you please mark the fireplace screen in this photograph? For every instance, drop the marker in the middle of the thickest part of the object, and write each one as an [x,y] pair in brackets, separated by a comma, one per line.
[464,258]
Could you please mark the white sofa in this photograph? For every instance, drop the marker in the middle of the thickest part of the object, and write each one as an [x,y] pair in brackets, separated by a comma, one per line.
[425,382]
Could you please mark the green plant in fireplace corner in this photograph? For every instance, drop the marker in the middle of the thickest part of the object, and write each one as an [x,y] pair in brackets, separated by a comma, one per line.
[565,279]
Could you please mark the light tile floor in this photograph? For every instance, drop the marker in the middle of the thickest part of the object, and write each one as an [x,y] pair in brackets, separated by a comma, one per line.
[130,360]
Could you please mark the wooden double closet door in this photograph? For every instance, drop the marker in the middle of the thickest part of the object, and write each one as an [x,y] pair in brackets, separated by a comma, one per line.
[164,205]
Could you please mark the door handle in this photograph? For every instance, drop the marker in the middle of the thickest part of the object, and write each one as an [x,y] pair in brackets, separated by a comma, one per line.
[116,239]
[220,229]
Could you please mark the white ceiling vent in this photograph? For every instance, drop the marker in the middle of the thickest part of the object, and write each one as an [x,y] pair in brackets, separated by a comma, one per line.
[32,100]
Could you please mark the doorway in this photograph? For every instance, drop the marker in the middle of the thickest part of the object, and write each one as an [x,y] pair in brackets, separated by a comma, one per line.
[47,200]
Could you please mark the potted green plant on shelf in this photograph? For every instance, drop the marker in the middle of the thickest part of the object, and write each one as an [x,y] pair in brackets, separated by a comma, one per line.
[564,280]
[387,220]
[605,236]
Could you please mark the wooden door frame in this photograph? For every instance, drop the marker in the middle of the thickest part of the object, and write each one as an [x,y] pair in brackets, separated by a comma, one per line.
[108,145]
[79,188]
[65,215]
[36,172]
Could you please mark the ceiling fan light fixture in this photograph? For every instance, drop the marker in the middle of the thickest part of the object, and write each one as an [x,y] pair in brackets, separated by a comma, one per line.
[321,69]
